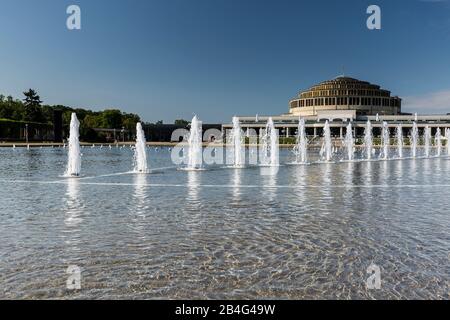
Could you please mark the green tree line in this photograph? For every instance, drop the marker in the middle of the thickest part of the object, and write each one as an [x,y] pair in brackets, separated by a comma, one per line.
[31,109]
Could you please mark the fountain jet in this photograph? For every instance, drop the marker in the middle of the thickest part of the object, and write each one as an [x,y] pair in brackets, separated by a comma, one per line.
[349,142]
[427,141]
[326,152]
[385,141]
[368,140]
[237,141]
[270,145]
[438,142]
[447,137]
[74,154]
[414,139]
[399,139]
[140,154]
[195,145]
[301,149]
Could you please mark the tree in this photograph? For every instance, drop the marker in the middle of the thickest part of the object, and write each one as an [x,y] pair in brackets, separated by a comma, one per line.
[92,121]
[32,98]
[111,119]
[181,122]
[32,104]
[129,123]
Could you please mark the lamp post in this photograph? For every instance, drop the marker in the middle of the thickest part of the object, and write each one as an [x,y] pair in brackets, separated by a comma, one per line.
[123,134]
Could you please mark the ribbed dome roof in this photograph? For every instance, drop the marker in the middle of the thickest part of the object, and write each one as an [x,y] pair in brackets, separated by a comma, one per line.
[343,81]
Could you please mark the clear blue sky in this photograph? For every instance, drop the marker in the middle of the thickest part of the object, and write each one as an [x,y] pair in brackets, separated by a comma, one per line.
[170,59]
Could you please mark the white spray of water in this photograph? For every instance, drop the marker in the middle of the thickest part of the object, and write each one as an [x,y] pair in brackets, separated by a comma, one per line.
[301,149]
[237,141]
[399,139]
[195,145]
[270,145]
[140,154]
[427,141]
[447,137]
[414,139]
[438,142]
[74,155]
[349,142]
[385,141]
[368,140]
[326,152]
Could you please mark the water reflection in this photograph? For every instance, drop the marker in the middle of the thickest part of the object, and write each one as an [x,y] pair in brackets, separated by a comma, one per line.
[140,196]
[193,186]
[413,172]
[300,176]
[269,181]
[348,189]
[427,175]
[74,204]
[398,168]
[236,182]
[193,215]
[74,212]
[384,171]
[368,178]
[325,191]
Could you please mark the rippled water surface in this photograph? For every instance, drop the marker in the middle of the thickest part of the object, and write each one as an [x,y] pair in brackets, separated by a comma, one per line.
[302,232]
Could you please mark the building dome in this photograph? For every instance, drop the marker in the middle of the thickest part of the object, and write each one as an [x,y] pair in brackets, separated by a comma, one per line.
[345,93]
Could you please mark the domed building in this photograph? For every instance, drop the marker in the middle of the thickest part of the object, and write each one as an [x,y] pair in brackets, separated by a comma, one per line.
[345,93]
[340,101]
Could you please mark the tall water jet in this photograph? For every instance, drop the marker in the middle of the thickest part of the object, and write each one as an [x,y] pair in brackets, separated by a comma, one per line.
[74,154]
[195,145]
[447,138]
[427,141]
[326,152]
[301,149]
[270,145]
[399,139]
[237,141]
[140,154]
[349,142]
[368,140]
[414,139]
[438,142]
[385,141]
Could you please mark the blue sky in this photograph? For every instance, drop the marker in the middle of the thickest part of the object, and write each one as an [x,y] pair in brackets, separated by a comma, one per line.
[169,59]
